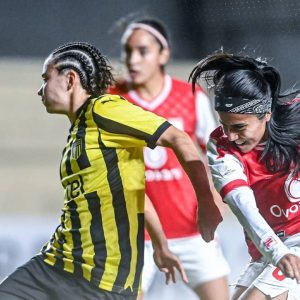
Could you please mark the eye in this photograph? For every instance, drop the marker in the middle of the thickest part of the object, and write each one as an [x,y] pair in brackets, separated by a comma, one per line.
[240,127]
[44,78]
[127,50]
[143,51]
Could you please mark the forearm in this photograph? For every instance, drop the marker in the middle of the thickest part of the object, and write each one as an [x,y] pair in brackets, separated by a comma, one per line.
[188,155]
[242,204]
[191,161]
[153,225]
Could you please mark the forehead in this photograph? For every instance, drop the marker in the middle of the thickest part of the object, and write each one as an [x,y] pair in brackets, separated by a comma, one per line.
[47,65]
[141,37]
[233,118]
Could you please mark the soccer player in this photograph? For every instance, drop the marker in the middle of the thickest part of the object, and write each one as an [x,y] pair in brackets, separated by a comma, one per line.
[96,252]
[146,51]
[254,159]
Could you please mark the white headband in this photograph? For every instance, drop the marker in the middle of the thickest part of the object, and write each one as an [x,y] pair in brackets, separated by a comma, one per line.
[128,32]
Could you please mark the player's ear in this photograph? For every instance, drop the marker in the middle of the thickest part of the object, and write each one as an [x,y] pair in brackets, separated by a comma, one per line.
[164,56]
[72,76]
[268,116]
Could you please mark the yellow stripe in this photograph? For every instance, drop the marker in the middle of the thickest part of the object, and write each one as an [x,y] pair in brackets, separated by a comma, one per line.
[112,242]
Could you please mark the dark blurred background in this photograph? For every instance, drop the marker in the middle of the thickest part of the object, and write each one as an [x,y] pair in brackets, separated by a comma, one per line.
[268,28]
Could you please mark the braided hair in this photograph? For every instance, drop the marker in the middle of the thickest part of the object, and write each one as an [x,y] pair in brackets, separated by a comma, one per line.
[92,67]
[243,77]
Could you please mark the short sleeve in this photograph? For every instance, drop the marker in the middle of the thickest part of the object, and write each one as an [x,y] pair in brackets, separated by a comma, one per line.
[122,124]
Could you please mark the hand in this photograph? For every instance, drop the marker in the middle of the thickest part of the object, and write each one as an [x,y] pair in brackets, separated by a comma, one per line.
[289,265]
[208,220]
[168,262]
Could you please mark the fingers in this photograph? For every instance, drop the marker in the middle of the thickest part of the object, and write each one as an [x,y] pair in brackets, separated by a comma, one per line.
[208,234]
[170,274]
[182,273]
[297,276]
[290,266]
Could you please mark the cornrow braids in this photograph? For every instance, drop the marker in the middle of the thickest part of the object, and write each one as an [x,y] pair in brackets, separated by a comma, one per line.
[92,67]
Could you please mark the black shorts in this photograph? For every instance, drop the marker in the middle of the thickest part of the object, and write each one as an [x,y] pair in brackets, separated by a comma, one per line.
[36,280]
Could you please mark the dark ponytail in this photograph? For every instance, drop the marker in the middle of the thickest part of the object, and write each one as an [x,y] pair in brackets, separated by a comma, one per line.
[282,148]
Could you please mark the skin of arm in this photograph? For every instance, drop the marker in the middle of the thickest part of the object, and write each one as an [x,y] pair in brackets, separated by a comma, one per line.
[165,260]
[188,155]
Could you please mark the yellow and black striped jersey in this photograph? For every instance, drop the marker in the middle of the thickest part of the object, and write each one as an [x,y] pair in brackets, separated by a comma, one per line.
[101,235]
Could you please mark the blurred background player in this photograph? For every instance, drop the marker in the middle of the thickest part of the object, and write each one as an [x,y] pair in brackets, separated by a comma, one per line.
[146,51]
[254,159]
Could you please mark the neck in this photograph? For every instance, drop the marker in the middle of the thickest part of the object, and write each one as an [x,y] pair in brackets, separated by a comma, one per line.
[150,90]
[77,100]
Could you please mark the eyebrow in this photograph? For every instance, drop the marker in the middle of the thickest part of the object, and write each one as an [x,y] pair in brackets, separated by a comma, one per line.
[235,125]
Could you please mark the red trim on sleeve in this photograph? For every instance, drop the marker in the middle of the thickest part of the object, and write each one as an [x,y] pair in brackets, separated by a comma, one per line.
[231,186]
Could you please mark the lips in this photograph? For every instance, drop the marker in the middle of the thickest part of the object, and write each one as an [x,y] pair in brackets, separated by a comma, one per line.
[240,143]
[133,73]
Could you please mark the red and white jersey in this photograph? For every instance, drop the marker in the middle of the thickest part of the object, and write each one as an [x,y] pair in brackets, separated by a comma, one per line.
[277,196]
[167,185]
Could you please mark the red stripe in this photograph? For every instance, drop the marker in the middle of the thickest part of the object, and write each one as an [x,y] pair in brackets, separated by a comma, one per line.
[231,186]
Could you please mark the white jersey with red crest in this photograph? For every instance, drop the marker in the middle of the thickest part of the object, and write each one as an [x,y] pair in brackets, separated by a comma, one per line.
[167,185]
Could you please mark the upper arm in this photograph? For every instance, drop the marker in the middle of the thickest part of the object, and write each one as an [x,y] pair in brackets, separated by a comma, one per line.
[226,170]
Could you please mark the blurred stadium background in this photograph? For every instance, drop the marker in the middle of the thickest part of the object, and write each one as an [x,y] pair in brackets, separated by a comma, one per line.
[32,141]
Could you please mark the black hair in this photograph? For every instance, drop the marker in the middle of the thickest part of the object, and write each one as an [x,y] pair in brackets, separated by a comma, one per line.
[245,77]
[92,67]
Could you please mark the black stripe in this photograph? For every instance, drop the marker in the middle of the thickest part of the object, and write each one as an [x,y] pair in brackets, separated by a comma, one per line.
[116,127]
[63,153]
[68,161]
[76,237]
[121,217]
[59,263]
[140,249]
[97,236]
[82,161]
[160,130]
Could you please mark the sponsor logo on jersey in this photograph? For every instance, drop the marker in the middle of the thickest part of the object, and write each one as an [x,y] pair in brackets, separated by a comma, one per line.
[155,159]
[279,212]
[292,188]
[163,175]
[269,242]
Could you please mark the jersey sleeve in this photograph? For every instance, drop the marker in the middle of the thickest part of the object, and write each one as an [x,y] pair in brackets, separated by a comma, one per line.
[206,120]
[123,124]
[227,171]
[242,203]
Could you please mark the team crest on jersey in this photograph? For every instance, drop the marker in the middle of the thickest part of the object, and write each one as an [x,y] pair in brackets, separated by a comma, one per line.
[292,188]
[76,149]
[155,158]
